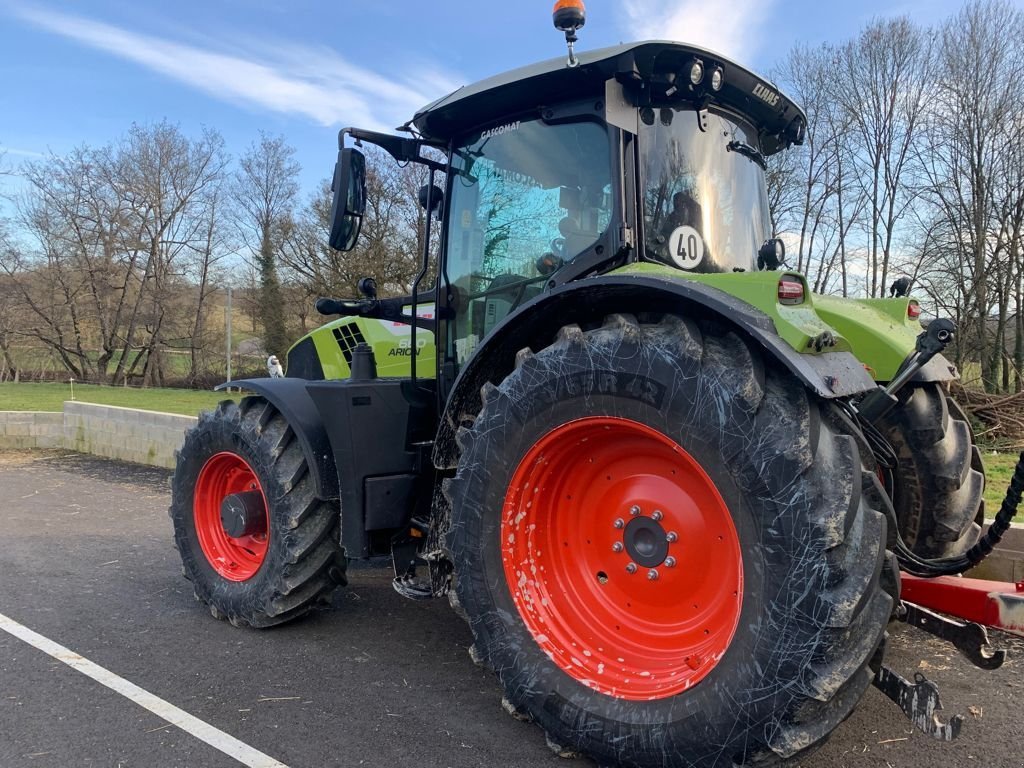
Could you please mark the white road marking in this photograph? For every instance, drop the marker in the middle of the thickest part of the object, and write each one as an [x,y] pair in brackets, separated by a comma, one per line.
[216,738]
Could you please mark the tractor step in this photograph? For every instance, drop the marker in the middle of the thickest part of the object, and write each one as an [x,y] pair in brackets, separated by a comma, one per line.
[970,639]
[919,701]
[406,559]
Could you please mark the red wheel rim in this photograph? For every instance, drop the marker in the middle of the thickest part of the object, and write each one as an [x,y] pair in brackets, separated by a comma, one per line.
[236,559]
[592,497]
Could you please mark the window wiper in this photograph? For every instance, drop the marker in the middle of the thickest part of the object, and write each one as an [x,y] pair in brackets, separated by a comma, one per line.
[747,151]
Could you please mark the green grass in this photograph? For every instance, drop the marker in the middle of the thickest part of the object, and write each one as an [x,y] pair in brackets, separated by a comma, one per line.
[51,397]
[998,471]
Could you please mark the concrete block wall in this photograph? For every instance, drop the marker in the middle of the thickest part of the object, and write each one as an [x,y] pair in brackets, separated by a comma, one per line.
[142,437]
[21,429]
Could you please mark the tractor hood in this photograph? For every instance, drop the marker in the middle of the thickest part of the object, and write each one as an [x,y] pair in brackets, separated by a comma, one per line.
[653,74]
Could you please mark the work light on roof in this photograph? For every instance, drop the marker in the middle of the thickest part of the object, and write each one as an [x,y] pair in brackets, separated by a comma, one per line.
[717,79]
[696,71]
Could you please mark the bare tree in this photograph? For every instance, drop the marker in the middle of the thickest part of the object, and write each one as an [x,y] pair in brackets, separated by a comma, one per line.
[883,81]
[265,191]
[971,127]
[113,229]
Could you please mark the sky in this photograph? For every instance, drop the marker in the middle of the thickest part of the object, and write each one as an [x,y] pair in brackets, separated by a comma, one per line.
[75,73]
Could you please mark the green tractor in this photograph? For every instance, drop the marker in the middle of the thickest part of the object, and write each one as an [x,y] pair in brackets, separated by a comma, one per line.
[669,488]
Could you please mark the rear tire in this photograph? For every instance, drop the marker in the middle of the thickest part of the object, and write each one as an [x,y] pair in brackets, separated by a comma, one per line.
[937,488]
[293,561]
[795,657]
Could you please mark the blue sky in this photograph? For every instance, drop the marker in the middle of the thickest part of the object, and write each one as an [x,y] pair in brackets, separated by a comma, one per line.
[82,72]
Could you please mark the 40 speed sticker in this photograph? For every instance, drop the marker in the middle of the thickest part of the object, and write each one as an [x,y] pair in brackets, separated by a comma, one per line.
[686,247]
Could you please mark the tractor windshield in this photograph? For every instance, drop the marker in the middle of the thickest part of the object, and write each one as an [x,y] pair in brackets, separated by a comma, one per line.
[705,201]
[526,198]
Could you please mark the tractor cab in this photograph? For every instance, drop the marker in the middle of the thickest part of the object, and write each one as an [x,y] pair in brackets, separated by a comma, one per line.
[650,152]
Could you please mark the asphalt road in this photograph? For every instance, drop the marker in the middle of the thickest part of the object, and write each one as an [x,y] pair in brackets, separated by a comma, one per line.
[86,561]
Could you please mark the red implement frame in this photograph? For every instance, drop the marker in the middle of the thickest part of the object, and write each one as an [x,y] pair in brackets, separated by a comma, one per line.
[996,604]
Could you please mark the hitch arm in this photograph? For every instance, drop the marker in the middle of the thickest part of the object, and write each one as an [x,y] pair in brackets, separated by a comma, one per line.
[970,639]
[919,701]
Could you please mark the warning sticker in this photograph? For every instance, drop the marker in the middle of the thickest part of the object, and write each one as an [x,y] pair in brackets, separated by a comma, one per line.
[686,247]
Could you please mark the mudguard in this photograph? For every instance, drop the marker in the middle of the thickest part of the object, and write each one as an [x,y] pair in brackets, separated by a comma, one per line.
[290,397]
[828,374]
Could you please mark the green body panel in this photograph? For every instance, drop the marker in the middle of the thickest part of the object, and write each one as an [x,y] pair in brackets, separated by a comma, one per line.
[391,343]
[880,331]
[877,331]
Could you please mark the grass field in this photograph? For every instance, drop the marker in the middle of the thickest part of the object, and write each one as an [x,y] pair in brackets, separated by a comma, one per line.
[51,397]
[998,471]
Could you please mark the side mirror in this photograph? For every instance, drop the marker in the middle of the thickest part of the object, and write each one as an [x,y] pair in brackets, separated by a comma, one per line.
[349,201]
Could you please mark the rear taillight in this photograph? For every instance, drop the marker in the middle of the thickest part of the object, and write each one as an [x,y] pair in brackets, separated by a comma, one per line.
[791,290]
[913,310]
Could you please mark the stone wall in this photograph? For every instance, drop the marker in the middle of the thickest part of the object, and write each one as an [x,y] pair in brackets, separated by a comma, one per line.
[142,437]
[27,429]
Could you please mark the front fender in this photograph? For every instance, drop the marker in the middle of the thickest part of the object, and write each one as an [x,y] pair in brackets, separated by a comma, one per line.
[289,396]
[827,374]
[881,334]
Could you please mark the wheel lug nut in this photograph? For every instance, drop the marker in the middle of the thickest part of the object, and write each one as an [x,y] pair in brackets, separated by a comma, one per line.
[652,575]
[619,523]
[670,562]
[631,568]
[617,546]
[656,516]
[671,537]
[634,510]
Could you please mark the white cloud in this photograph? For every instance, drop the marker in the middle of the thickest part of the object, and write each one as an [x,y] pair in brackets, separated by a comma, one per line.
[15,152]
[316,83]
[728,28]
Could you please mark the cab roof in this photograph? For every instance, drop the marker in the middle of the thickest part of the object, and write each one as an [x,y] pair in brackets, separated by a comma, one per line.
[653,73]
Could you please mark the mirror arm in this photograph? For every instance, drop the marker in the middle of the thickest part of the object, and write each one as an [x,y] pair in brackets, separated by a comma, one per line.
[402,149]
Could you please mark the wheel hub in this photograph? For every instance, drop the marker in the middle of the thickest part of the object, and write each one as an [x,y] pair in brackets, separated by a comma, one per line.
[645,542]
[243,514]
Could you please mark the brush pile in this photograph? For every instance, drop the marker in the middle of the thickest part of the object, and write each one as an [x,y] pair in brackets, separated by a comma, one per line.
[998,419]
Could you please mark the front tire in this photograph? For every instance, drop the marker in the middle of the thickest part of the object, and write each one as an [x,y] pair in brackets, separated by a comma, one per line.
[938,484]
[758,640]
[287,558]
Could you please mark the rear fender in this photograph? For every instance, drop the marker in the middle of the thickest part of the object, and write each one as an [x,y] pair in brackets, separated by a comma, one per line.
[289,396]
[827,374]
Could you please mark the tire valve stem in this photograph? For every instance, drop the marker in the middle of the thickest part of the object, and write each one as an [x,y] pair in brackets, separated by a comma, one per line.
[652,575]
[634,510]
[670,562]
[656,516]
[631,568]
[671,537]
[619,523]
[617,546]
